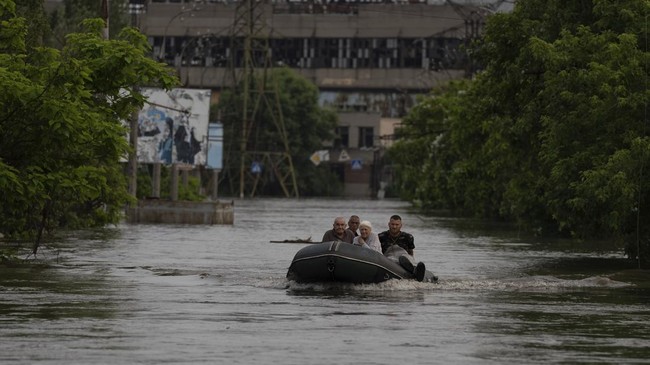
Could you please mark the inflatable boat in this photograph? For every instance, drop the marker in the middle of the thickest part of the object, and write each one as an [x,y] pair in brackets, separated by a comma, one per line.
[344,262]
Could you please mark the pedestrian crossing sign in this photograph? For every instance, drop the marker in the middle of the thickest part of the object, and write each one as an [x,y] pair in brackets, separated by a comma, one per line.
[356,165]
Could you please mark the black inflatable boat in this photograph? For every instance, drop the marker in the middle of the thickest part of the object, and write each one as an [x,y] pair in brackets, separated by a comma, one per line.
[343,262]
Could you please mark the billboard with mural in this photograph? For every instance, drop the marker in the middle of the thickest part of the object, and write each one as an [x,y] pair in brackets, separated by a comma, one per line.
[173,126]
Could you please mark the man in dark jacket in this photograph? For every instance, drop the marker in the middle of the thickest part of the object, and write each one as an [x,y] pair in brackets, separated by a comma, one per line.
[395,236]
[353,224]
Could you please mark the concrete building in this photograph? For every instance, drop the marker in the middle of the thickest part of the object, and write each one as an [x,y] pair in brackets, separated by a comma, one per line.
[369,59]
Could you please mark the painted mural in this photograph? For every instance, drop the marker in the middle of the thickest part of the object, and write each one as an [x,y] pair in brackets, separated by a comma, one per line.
[173,126]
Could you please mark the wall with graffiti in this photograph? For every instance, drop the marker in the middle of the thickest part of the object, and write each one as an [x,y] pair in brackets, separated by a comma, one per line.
[173,126]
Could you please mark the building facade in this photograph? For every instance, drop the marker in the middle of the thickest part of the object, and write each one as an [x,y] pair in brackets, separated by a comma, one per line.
[369,59]
[389,49]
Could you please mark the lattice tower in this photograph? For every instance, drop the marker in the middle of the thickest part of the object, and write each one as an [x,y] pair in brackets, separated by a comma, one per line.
[248,69]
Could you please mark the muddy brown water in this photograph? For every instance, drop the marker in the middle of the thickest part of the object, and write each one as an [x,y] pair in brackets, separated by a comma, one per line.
[154,294]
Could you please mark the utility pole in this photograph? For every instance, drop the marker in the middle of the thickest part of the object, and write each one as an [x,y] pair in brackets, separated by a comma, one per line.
[135,9]
[249,35]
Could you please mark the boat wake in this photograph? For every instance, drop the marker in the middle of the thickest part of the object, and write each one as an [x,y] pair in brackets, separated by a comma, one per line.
[528,284]
[525,284]
[532,283]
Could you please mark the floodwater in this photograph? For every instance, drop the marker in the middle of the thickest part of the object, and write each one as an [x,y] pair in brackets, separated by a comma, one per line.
[154,294]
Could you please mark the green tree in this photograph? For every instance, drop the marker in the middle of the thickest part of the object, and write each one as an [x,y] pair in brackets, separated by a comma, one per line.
[307,125]
[552,134]
[61,135]
[423,151]
[186,192]
[37,28]
[68,17]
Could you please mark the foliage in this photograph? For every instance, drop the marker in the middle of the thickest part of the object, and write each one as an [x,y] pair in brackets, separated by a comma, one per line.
[306,125]
[189,192]
[61,136]
[37,27]
[552,134]
[68,17]
[422,149]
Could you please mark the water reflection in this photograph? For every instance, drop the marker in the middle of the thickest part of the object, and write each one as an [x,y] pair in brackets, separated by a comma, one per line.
[51,292]
[575,325]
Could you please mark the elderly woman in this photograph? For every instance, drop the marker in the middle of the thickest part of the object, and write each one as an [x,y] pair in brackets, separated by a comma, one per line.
[367,238]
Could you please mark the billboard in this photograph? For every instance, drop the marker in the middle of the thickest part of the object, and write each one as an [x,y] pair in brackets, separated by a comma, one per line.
[173,126]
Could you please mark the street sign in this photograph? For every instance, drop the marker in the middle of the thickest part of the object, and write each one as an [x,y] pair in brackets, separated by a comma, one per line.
[344,156]
[320,156]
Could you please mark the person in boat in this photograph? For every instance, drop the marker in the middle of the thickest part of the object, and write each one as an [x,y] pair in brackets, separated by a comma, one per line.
[367,238]
[353,224]
[338,232]
[395,236]
[398,245]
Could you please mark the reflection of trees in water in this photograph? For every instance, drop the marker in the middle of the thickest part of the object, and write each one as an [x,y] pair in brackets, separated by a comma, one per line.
[43,289]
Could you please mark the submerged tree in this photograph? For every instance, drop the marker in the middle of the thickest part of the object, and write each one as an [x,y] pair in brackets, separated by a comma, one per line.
[61,131]
[553,133]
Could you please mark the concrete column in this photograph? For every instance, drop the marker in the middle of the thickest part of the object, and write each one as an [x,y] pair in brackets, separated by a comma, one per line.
[155,183]
[215,184]
[173,193]
[185,176]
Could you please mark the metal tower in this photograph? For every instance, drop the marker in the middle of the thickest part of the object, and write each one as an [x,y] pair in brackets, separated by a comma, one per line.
[474,13]
[249,66]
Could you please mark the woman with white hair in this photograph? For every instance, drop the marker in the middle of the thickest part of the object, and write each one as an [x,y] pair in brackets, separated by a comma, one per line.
[367,238]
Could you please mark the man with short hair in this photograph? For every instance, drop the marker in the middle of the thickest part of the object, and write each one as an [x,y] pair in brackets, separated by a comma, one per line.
[353,224]
[395,236]
[338,232]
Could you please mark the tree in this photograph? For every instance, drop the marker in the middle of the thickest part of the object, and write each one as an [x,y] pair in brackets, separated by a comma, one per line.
[69,15]
[552,134]
[61,130]
[37,27]
[424,150]
[307,125]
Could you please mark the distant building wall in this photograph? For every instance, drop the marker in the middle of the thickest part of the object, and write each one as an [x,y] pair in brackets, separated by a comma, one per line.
[363,56]
[369,59]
